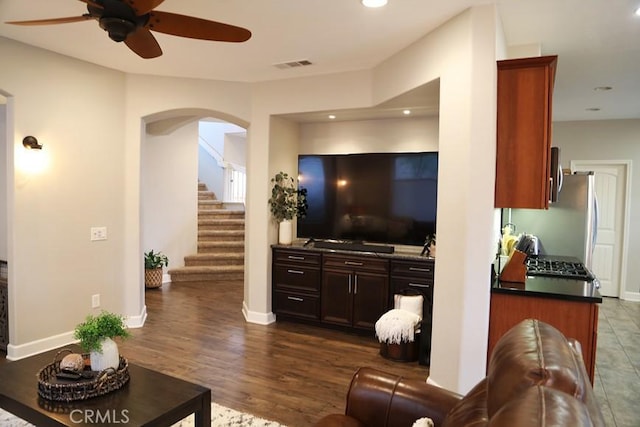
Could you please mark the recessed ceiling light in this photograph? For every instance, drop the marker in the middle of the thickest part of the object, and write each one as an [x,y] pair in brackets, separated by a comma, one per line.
[374,3]
[406,112]
[603,88]
[331,116]
[637,12]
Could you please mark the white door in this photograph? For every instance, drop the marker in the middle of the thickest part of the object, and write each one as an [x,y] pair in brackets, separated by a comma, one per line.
[609,251]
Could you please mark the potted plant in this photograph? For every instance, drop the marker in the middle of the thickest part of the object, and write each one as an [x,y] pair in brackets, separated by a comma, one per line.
[153,263]
[286,202]
[96,335]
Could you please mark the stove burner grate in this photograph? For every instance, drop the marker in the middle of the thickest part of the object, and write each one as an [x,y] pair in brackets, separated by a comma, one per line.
[555,268]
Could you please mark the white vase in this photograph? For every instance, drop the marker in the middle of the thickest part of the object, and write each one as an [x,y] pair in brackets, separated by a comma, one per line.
[285,232]
[109,357]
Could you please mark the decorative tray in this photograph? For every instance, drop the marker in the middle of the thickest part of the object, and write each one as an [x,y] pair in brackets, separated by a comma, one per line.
[91,384]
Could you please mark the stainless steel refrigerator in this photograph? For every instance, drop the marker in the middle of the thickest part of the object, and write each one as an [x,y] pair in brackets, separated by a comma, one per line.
[569,226]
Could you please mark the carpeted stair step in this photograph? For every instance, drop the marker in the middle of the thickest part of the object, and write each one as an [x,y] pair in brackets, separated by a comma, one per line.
[210,205]
[217,247]
[221,236]
[220,224]
[220,214]
[206,195]
[206,273]
[214,259]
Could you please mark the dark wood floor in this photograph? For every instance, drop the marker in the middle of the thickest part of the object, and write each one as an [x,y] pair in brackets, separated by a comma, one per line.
[286,372]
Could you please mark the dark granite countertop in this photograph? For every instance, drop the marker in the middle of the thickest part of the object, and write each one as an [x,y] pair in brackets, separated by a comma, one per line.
[549,287]
[408,253]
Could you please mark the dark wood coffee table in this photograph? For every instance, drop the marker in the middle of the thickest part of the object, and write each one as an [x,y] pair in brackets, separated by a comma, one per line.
[149,399]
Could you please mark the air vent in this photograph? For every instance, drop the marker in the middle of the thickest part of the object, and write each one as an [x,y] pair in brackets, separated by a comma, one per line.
[293,64]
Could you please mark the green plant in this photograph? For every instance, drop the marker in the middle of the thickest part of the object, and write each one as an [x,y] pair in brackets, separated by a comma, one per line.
[287,201]
[94,329]
[155,260]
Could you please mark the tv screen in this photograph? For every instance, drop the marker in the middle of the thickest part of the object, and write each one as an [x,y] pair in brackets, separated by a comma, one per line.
[374,197]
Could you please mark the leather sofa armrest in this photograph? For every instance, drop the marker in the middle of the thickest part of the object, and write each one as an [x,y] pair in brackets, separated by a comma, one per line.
[377,398]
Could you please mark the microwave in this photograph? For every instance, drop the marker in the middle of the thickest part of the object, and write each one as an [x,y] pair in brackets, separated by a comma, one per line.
[555,175]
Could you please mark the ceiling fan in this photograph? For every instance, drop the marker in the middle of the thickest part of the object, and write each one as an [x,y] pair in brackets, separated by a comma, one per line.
[132,21]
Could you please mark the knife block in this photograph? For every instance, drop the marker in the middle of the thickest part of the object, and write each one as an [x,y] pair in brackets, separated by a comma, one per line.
[515,270]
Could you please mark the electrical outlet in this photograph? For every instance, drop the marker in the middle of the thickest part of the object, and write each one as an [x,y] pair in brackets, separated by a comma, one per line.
[98,233]
[95,301]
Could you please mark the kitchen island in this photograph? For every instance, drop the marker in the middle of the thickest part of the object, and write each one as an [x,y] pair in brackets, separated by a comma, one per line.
[568,304]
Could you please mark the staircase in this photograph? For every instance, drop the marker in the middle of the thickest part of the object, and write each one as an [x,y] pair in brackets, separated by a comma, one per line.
[220,243]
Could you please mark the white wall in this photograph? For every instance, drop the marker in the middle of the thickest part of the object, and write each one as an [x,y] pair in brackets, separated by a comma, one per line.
[373,136]
[169,193]
[608,140]
[3,179]
[76,111]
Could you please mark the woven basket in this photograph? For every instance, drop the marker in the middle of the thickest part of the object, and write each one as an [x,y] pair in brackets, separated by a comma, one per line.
[51,388]
[153,277]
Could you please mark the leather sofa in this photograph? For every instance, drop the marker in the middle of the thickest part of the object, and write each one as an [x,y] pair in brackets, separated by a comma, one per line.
[536,377]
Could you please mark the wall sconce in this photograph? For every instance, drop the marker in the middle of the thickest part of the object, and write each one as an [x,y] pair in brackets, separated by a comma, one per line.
[31,143]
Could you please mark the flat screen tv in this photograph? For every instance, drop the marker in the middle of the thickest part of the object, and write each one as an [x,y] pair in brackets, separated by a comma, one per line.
[374,197]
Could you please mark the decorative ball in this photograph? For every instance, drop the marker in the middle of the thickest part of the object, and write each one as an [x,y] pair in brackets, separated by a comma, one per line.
[72,362]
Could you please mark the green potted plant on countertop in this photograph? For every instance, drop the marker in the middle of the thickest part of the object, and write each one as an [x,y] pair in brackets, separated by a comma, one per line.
[153,263]
[286,202]
[96,335]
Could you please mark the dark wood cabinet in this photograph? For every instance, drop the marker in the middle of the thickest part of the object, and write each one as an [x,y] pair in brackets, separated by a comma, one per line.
[4,307]
[523,145]
[417,277]
[296,284]
[355,290]
[346,290]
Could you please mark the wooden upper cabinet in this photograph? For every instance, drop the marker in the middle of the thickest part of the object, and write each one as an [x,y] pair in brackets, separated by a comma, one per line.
[523,149]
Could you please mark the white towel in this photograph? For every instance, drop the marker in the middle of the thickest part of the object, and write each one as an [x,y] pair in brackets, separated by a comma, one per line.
[396,326]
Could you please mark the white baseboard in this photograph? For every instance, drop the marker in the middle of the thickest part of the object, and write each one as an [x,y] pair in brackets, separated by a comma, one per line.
[257,317]
[631,296]
[17,352]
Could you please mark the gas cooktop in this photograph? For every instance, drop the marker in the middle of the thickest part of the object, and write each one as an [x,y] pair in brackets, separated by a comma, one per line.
[562,267]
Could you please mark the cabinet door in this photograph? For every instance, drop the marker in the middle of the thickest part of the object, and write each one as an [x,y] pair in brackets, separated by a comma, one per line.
[336,300]
[370,299]
[523,145]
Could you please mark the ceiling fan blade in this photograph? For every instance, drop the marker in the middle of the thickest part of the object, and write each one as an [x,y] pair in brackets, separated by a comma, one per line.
[52,21]
[143,43]
[142,7]
[195,28]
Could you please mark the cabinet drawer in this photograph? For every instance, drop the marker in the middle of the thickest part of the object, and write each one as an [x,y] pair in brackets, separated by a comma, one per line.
[297,257]
[299,305]
[413,269]
[356,263]
[294,277]
[399,284]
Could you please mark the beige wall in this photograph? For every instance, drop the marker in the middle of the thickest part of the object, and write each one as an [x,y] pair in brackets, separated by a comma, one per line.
[75,111]
[3,179]
[609,140]
[373,136]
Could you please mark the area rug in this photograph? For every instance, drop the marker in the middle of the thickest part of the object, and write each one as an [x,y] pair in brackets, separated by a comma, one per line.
[221,416]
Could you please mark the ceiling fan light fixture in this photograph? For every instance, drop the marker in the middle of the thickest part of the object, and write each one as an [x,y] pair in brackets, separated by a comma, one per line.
[117,28]
[374,3]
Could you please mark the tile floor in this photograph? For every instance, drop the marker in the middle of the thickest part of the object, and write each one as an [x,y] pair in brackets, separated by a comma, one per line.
[617,378]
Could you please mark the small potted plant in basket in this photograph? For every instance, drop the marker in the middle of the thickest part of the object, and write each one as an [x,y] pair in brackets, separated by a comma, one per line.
[153,263]
[96,335]
[286,202]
